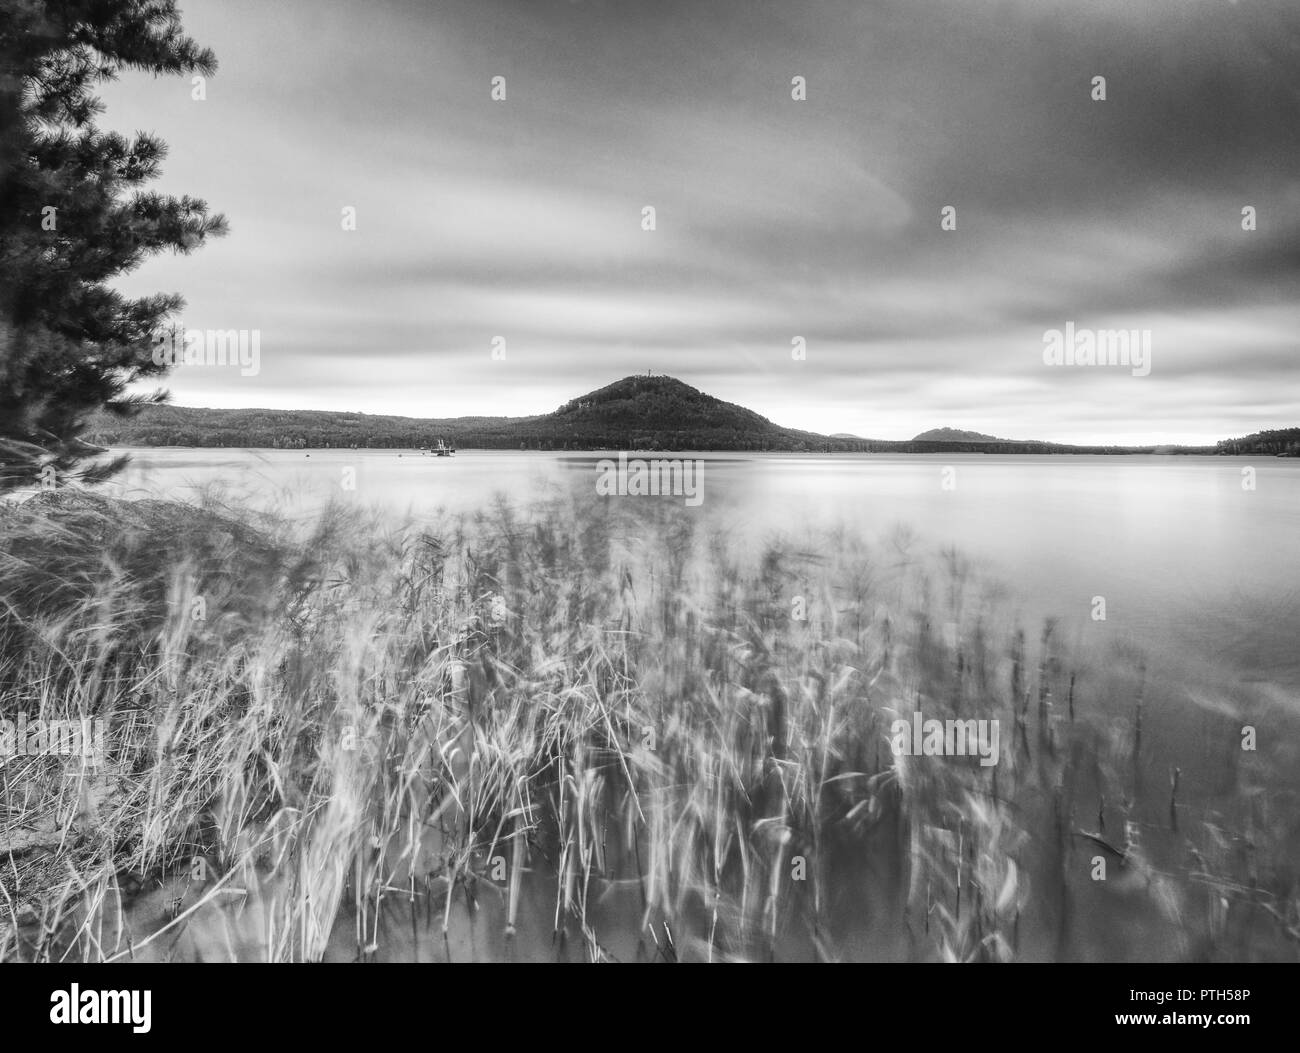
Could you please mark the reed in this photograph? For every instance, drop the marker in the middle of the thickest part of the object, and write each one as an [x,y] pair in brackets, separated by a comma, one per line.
[575,728]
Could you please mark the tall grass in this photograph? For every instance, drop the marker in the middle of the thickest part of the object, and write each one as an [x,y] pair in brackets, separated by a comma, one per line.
[594,730]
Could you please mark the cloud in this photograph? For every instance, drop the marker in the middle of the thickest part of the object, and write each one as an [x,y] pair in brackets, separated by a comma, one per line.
[775,218]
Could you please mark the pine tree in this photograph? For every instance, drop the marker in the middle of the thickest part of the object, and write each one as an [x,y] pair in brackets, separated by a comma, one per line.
[73,216]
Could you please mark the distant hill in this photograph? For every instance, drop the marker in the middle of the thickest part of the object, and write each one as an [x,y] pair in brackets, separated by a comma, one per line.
[1279,442]
[639,412]
[955,435]
[635,413]
[293,429]
[662,413]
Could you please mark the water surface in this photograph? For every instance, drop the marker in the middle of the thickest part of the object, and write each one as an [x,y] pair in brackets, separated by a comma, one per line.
[1193,566]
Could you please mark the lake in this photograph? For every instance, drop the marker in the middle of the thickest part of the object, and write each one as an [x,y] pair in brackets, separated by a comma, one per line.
[1195,568]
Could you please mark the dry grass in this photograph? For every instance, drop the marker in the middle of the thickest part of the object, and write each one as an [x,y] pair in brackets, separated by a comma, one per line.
[592,730]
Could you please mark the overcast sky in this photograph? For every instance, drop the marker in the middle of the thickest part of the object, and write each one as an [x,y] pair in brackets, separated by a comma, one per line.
[775,218]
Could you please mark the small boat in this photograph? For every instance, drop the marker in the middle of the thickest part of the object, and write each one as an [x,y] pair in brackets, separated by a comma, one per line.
[442,449]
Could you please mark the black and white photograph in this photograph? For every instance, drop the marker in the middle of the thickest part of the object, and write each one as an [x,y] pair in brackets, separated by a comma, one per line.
[650,481]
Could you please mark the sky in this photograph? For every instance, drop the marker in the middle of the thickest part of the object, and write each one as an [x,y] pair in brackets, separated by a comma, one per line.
[775,218]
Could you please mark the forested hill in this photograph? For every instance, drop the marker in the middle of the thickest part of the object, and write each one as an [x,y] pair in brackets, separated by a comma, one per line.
[652,413]
[1280,442]
[955,435]
[291,429]
[663,413]
[635,413]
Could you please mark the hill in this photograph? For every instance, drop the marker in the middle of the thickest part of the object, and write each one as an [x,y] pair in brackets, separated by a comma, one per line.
[291,429]
[1279,442]
[640,412]
[955,435]
[662,413]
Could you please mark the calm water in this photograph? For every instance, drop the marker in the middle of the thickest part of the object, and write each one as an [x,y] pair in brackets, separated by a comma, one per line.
[1194,568]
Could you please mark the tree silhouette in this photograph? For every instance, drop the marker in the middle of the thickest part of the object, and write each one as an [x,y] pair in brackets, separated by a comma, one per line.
[73,216]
